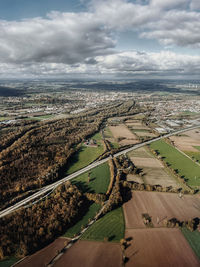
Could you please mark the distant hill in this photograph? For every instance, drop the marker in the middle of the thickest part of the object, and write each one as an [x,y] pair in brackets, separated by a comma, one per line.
[7,91]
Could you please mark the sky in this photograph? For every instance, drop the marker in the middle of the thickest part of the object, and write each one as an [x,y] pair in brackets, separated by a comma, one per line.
[100,39]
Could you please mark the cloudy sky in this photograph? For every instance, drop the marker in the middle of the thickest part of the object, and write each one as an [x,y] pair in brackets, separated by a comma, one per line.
[100,38]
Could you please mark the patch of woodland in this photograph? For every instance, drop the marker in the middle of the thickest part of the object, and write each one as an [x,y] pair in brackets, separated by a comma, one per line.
[191,224]
[147,219]
[29,229]
[157,188]
[97,198]
[36,158]
[118,195]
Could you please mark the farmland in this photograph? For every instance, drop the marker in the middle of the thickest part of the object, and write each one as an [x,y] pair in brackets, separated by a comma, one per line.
[140,152]
[187,142]
[159,206]
[193,155]
[108,136]
[99,180]
[193,239]
[133,124]
[159,247]
[184,166]
[153,170]
[75,229]
[85,155]
[143,162]
[45,255]
[4,118]
[122,135]
[139,129]
[109,227]
[90,254]
[8,262]
[143,133]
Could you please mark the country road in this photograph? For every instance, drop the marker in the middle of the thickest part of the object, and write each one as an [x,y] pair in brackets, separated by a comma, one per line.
[47,188]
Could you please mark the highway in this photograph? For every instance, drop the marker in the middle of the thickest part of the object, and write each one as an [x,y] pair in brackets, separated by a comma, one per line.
[47,188]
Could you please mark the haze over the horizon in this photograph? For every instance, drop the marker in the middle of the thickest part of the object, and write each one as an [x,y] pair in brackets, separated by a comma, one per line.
[100,38]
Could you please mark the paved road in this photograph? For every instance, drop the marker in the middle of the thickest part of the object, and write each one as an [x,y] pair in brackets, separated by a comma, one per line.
[47,188]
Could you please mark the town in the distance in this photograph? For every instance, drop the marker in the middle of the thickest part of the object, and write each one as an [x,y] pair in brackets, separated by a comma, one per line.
[99,173]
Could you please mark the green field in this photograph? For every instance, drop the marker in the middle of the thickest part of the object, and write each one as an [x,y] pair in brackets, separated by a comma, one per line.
[193,155]
[141,153]
[139,130]
[110,226]
[193,239]
[8,262]
[85,155]
[75,229]
[40,118]
[197,147]
[99,180]
[4,118]
[108,135]
[189,113]
[185,166]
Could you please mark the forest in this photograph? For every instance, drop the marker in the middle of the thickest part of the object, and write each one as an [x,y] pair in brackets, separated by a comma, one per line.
[32,228]
[34,154]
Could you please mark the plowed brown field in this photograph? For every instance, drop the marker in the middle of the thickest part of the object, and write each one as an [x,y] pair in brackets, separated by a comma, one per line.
[43,256]
[154,172]
[159,206]
[149,134]
[147,162]
[155,176]
[91,254]
[159,247]
[187,143]
[121,131]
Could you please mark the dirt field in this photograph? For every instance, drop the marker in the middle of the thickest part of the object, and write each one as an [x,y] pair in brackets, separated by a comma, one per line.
[137,125]
[130,117]
[92,254]
[147,162]
[153,170]
[187,143]
[159,206]
[155,176]
[43,256]
[140,152]
[159,247]
[145,134]
[134,123]
[194,134]
[122,131]
[135,178]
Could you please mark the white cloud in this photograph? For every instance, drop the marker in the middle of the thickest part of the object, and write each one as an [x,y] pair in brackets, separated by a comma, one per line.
[121,64]
[83,43]
[66,38]
[176,27]
[163,62]
[169,4]
[195,5]
[120,14]
[168,21]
